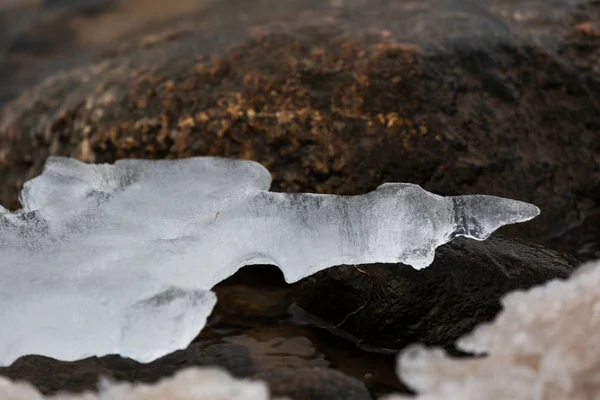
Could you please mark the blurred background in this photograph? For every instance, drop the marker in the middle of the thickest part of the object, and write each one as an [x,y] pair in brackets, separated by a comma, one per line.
[39,37]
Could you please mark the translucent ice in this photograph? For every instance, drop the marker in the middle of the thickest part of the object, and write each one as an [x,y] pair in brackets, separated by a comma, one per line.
[543,346]
[121,258]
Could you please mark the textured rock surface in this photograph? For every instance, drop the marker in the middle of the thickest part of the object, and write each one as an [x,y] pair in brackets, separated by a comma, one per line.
[496,97]
[435,306]
[191,384]
[51,376]
[314,384]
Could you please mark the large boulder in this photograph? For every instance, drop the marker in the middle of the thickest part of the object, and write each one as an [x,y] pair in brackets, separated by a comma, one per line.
[50,375]
[498,97]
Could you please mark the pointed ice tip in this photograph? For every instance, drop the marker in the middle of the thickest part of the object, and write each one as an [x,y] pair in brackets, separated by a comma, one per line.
[478,216]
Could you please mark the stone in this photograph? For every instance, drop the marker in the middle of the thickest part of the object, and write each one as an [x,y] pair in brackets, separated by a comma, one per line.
[207,383]
[390,306]
[50,376]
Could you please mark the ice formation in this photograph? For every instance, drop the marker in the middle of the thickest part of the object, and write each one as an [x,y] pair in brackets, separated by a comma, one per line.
[188,384]
[120,259]
[543,346]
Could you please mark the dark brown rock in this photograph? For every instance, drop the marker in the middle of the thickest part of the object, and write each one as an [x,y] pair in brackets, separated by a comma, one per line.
[50,375]
[314,384]
[393,305]
[496,97]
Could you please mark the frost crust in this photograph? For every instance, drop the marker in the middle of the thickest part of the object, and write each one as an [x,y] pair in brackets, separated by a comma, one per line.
[543,346]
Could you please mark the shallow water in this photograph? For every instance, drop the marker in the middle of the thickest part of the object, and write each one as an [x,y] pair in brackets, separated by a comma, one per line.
[256,310]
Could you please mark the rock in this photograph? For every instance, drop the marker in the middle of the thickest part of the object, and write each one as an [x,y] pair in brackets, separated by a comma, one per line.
[497,97]
[51,376]
[391,306]
[314,384]
[196,383]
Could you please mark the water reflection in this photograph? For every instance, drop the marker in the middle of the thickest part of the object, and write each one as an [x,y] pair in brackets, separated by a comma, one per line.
[256,310]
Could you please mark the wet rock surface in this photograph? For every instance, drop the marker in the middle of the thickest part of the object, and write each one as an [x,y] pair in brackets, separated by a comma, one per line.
[314,384]
[50,375]
[392,305]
